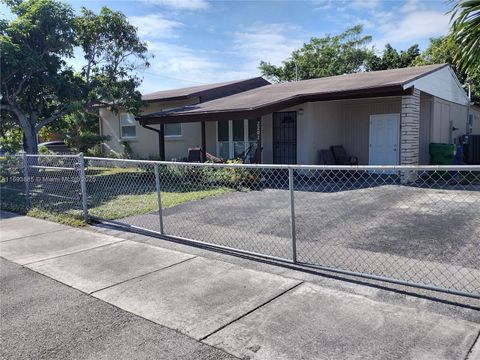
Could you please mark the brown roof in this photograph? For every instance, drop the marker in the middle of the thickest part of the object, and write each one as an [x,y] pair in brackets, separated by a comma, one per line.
[207,92]
[265,99]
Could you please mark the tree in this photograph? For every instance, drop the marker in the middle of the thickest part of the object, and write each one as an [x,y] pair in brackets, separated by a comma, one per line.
[326,56]
[466,33]
[36,85]
[79,130]
[112,52]
[444,50]
[10,135]
[39,88]
[392,59]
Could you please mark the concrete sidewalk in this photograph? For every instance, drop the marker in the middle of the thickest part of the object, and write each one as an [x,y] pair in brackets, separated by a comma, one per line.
[235,309]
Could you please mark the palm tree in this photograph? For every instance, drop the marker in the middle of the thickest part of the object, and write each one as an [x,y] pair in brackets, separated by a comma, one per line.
[466,32]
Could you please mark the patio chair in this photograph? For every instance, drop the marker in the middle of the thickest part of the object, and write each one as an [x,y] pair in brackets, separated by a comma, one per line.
[325,157]
[341,157]
[194,155]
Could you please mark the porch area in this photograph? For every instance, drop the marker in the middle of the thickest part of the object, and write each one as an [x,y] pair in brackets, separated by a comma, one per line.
[380,130]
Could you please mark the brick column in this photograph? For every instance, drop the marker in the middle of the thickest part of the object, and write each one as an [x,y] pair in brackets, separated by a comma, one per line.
[410,132]
[410,129]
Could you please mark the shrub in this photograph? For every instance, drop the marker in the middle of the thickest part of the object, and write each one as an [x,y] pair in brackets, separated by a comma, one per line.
[10,167]
[204,177]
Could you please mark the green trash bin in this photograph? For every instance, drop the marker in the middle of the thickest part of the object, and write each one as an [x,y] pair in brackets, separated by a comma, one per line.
[441,154]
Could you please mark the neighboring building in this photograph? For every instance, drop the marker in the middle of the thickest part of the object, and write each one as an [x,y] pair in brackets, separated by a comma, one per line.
[382,117]
[144,142]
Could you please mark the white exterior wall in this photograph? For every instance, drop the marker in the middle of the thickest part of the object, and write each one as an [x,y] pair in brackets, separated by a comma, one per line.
[324,124]
[426,117]
[267,139]
[475,111]
[446,115]
[442,84]
[145,145]
[319,128]
[356,123]
[346,123]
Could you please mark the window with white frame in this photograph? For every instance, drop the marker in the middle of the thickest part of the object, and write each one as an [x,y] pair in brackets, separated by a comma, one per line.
[237,138]
[173,130]
[127,126]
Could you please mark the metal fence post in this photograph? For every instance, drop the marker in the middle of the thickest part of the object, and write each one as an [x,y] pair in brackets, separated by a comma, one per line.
[26,180]
[83,186]
[293,233]
[159,198]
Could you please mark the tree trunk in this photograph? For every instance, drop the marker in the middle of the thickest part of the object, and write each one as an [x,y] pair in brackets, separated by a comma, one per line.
[30,143]
[29,128]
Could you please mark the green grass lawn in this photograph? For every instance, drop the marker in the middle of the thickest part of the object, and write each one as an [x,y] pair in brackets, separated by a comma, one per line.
[13,199]
[127,205]
[113,193]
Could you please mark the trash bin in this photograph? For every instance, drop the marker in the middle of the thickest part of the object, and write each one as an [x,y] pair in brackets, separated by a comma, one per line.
[441,154]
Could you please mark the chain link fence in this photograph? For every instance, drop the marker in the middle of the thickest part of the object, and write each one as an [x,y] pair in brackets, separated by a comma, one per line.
[415,225]
[45,183]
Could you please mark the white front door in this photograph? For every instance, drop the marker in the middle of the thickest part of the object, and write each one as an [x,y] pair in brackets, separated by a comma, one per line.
[384,139]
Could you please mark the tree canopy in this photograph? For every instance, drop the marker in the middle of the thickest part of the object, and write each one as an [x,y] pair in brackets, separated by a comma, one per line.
[112,51]
[350,52]
[466,33]
[37,85]
[392,59]
[326,56]
[345,53]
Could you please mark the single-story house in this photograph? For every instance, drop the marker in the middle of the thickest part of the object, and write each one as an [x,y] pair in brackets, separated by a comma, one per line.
[144,141]
[383,118]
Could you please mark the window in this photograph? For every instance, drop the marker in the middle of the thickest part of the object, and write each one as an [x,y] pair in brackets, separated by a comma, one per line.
[237,138]
[127,126]
[173,129]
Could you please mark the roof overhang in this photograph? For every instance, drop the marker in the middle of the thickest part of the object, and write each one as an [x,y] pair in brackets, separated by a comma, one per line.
[442,83]
[172,98]
[256,112]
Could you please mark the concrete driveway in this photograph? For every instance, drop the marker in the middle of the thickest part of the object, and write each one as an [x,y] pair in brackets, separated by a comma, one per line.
[231,310]
[428,236]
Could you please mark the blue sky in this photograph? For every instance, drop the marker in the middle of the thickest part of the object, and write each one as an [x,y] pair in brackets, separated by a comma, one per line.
[201,41]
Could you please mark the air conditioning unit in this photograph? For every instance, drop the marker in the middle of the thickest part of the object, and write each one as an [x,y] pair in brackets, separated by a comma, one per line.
[471,148]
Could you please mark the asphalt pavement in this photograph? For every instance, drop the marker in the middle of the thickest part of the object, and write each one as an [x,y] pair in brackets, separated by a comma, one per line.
[77,293]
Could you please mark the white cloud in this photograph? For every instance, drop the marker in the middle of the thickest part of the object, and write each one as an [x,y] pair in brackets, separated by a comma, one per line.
[155,26]
[179,60]
[409,23]
[346,5]
[322,4]
[177,66]
[355,20]
[181,4]
[271,42]
[415,26]
[409,6]
[365,4]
